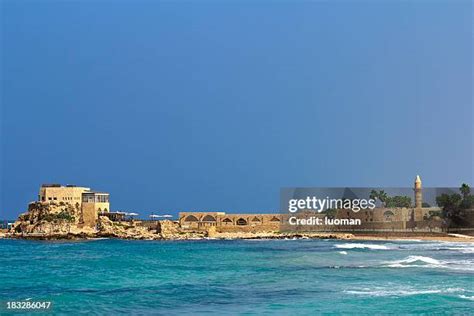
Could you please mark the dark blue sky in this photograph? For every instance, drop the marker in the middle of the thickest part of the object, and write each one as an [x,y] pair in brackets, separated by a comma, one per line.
[193,105]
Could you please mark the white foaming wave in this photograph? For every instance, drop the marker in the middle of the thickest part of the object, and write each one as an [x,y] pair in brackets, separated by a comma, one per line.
[411,259]
[471,298]
[343,252]
[403,291]
[428,262]
[362,246]
[407,240]
[463,249]
[466,248]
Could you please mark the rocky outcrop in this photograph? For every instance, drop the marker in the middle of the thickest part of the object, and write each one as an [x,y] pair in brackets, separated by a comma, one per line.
[60,220]
[124,230]
[55,220]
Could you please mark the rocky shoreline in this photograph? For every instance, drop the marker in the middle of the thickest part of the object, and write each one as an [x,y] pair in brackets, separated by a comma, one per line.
[178,236]
[235,236]
[50,221]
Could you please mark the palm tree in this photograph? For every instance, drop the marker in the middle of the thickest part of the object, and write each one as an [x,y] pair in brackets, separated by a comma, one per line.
[465,190]
[380,195]
[383,197]
[373,195]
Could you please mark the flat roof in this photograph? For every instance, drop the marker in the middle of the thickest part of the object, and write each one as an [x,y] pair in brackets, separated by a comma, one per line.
[58,185]
[95,192]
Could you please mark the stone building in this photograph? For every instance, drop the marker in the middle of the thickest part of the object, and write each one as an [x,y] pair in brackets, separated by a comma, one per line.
[71,194]
[229,222]
[93,204]
[88,203]
[99,201]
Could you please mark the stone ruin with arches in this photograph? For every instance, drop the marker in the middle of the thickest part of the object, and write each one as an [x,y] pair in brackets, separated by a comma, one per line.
[202,221]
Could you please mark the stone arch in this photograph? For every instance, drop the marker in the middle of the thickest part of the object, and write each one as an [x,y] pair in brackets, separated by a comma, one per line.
[275,219]
[99,210]
[208,218]
[105,210]
[388,216]
[227,220]
[191,218]
[241,222]
[256,219]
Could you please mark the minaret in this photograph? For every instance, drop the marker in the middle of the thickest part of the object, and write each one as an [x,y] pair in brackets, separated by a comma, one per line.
[418,193]
[418,199]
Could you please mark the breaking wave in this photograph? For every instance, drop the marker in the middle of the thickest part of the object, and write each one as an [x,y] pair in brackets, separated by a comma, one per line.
[465,250]
[404,291]
[471,298]
[428,262]
[362,246]
[415,259]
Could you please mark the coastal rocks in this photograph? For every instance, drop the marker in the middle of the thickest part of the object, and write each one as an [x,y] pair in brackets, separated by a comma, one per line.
[46,219]
[168,228]
[279,235]
[211,232]
[124,230]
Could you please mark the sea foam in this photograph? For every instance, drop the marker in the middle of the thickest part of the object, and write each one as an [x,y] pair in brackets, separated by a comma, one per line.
[413,259]
[404,291]
[471,298]
[428,262]
[463,249]
[362,246]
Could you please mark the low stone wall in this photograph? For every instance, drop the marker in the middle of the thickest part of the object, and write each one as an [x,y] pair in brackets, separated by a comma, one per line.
[148,224]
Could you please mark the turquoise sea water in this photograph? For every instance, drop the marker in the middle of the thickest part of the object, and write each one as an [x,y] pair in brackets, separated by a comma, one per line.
[289,277]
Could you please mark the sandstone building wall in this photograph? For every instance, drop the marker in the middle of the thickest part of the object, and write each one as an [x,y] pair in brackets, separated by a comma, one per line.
[89,203]
[58,193]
